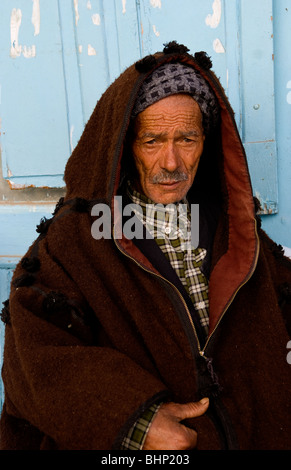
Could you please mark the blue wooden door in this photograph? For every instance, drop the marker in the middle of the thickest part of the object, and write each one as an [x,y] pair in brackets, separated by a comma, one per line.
[59,56]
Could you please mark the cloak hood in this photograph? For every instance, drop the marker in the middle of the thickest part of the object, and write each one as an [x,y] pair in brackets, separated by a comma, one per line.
[94,171]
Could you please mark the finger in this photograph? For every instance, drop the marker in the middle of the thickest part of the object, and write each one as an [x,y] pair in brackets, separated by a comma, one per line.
[192,409]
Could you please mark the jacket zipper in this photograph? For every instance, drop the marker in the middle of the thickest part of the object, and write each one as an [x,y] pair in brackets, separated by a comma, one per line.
[200,350]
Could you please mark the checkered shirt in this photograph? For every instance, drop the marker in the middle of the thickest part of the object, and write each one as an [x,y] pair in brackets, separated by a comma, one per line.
[138,432]
[170,225]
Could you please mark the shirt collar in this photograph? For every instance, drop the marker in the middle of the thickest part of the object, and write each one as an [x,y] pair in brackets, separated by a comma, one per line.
[162,220]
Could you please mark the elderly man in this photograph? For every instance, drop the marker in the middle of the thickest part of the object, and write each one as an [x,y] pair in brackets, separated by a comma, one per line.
[152,342]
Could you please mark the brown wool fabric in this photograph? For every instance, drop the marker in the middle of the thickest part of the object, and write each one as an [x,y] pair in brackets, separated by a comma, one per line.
[96,334]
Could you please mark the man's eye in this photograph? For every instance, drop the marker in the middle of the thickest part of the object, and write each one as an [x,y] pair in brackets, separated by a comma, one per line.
[151,141]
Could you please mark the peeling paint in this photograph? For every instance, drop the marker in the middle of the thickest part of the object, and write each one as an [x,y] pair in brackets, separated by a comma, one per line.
[89,6]
[96,19]
[9,173]
[15,22]
[123,6]
[155,31]
[218,47]
[267,207]
[17,49]
[13,185]
[76,7]
[156,3]
[29,51]
[80,48]
[35,19]
[214,19]
[91,50]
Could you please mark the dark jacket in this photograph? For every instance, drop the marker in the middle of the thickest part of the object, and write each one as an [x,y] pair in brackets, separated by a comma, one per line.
[98,330]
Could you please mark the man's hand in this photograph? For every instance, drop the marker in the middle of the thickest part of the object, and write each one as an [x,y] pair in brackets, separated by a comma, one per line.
[167,433]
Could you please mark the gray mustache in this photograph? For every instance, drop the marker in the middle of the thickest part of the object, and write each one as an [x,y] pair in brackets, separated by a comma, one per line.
[169,176]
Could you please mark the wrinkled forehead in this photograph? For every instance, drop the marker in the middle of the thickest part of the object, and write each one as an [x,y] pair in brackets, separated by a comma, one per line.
[178,113]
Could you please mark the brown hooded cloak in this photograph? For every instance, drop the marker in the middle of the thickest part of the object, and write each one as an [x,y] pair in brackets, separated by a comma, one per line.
[98,330]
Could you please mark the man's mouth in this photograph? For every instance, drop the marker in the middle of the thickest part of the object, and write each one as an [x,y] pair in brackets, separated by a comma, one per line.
[170,183]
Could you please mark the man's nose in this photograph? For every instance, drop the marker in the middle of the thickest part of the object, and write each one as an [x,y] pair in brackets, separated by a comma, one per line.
[170,160]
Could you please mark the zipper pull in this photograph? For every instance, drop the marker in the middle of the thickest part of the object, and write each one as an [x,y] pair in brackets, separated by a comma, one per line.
[215,386]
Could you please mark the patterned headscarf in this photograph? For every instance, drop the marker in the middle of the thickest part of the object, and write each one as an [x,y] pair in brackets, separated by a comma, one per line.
[170,79]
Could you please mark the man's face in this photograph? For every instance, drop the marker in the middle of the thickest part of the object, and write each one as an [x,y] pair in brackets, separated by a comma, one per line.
[167,147]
